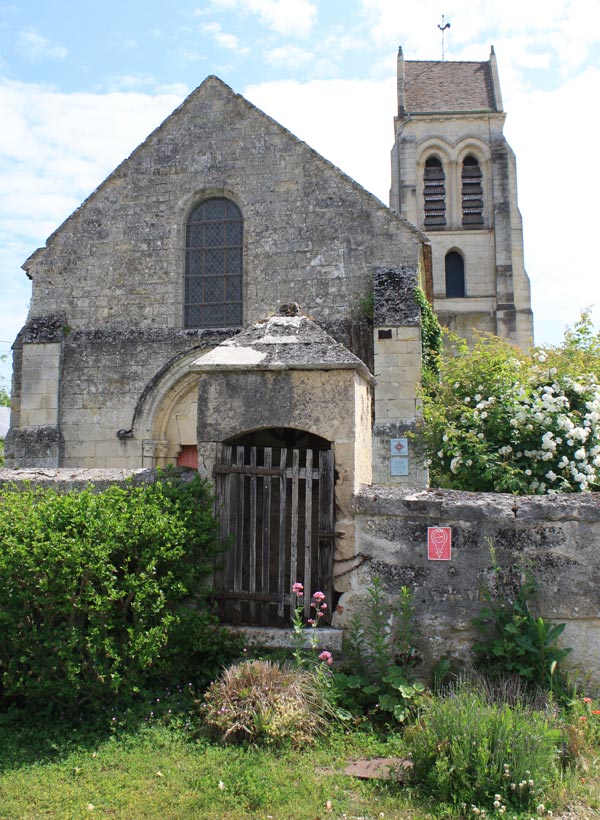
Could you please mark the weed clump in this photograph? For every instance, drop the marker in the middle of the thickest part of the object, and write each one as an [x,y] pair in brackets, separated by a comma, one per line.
[262,702]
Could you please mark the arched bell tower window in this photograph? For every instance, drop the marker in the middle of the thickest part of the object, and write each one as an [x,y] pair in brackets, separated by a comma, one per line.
[472,194]
[213,265]
[434,194]
[455,275]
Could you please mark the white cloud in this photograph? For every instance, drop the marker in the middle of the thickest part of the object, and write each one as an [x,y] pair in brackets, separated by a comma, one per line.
[287,17]
[289,56]
[565,29]
[54,150]
[228,41]
[348,122]
[35,46]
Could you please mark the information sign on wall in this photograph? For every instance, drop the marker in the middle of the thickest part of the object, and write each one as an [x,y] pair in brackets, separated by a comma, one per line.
[439,543]
[399,446]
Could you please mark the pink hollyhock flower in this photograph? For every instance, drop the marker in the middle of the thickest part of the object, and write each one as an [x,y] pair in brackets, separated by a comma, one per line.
[319,596]
[327,657]
[298,589]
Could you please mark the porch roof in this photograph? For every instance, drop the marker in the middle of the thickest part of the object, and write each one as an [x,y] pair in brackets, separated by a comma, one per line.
[282,342]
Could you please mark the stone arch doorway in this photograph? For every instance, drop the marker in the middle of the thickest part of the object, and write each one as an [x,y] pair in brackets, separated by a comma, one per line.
[275,502]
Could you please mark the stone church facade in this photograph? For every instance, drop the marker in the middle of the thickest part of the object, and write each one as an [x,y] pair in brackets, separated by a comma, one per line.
[216,220]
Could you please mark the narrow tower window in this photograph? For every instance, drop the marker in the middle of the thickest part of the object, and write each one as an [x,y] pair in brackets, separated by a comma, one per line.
[434,194]
[472,194]
[455,275]
[213,265]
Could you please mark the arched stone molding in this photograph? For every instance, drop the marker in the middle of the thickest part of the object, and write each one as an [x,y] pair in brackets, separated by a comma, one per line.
[165,416]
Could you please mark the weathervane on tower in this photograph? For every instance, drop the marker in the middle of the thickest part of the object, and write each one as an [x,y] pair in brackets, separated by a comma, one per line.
[443,28]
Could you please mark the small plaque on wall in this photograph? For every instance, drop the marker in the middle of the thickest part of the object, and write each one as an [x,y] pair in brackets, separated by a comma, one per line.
[399,465]
[399,446]
[439,543]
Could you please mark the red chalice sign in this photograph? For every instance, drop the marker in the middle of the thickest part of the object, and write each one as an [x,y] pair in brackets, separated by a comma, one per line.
[439,543]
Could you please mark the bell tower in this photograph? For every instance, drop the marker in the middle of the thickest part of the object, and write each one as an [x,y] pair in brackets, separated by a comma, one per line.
[454,176]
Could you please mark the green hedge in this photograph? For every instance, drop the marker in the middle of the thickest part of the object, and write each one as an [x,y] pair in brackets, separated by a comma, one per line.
[102,593]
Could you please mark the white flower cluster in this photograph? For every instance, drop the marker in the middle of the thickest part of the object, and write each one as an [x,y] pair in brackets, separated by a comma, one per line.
[543,434]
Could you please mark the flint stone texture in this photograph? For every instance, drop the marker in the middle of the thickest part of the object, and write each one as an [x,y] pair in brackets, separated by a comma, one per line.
[394,303]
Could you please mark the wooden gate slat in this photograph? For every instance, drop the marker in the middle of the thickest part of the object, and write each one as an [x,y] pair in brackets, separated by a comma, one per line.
[229,529]
[238,480]
[282,534]
[308,533]
[294,518]
[252,545]
[266,533]
[326,522]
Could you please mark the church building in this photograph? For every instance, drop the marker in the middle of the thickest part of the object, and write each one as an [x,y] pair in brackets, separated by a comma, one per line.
[229,300]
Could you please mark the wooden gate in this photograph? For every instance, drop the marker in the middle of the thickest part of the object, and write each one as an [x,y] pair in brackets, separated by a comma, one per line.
[276,507]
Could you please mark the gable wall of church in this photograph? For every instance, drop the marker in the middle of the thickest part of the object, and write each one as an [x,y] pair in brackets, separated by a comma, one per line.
[311,235]
[113,273]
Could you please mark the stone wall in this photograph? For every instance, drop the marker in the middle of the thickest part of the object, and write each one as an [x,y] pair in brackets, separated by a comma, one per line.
[557,537]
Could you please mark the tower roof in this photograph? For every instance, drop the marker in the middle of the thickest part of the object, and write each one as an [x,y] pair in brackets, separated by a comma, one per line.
[436,86]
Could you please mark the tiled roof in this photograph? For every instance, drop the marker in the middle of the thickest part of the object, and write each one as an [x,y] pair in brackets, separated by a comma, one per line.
[448,86]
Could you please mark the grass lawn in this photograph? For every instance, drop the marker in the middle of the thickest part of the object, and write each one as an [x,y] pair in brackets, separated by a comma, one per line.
[158,772]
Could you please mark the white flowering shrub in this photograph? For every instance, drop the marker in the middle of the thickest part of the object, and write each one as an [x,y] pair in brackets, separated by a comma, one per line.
[504,421]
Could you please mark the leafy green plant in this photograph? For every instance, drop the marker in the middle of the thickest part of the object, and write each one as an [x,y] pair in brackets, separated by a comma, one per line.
[500,420]
[104,593]
[260,701]
[380,654]
[367,306]
[513,641]
[431,337]
[471,754]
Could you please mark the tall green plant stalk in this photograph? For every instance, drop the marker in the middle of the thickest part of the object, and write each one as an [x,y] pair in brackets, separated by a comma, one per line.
[515,642]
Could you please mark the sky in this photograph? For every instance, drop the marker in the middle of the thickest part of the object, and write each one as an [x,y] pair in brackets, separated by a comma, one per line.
[82,84]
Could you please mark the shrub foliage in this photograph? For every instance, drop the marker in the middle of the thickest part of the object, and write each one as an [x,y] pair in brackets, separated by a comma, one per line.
[500,420]
[470,753]
[101,593]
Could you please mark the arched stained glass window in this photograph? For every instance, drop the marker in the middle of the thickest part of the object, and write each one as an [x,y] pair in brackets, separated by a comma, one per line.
[434,194]
[472,194]
[213,265]
[455,275]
